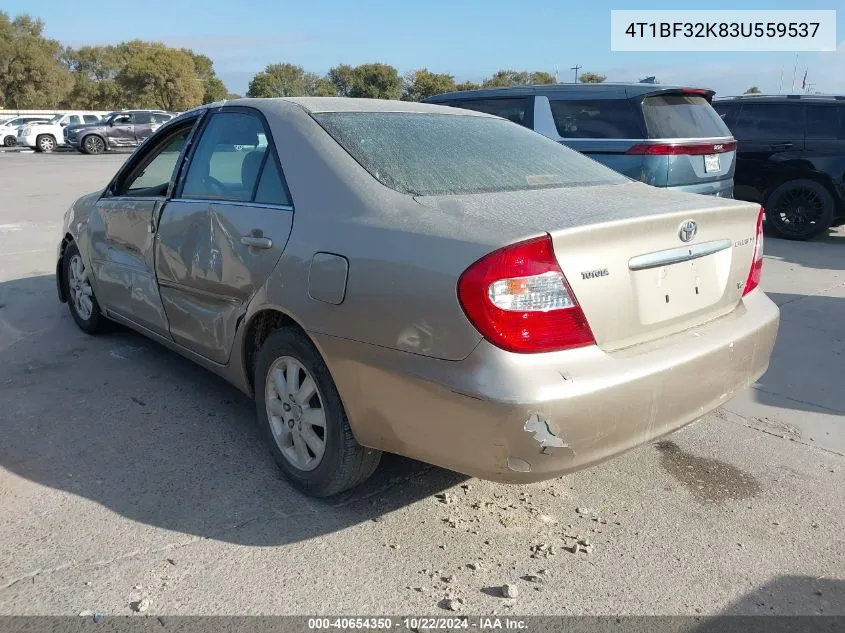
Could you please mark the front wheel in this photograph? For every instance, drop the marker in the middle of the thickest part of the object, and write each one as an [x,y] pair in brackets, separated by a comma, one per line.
[83,304]
[799,210]
[45,143]
[93,144]
[303,418]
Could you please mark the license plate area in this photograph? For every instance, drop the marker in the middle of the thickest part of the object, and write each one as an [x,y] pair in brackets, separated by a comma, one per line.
[668,292]
[711,163]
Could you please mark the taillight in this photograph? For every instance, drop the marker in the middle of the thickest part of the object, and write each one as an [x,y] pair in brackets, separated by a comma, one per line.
[757,263]
[519,300]
[681,149]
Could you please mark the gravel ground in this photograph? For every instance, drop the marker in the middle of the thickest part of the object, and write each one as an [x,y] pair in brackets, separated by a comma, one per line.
[132,480]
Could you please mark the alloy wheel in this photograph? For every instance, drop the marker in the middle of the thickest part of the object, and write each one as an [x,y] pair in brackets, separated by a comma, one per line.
[94,144]
[80,288]
[296,413]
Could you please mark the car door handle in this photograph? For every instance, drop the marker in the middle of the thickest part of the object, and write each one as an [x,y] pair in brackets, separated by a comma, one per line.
[256,242]
[781,145]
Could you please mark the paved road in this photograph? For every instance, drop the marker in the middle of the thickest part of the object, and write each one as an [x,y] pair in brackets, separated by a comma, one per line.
[128,473]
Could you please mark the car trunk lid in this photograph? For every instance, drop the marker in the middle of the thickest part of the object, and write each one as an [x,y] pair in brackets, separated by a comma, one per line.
[644,278]
[621,251]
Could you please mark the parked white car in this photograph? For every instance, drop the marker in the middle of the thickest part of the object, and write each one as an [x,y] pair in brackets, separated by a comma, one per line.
[9,129]
[45,137]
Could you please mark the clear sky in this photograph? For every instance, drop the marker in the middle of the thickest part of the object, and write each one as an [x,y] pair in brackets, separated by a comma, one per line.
[470,39]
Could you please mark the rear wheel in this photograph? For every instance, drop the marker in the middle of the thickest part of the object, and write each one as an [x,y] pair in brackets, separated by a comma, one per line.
[10,141]
[45,143]
[83,304]
[93,144]
[799,210]
[303,418]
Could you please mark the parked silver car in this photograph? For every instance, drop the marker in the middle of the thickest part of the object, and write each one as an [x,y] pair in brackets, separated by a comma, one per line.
[380,279]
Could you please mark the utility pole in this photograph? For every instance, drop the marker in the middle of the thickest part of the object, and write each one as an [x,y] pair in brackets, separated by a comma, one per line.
[557,76]
[576,68]
[794,71]
[780,85]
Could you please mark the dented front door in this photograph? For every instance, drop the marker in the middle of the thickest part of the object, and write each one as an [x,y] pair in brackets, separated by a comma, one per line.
[121,230]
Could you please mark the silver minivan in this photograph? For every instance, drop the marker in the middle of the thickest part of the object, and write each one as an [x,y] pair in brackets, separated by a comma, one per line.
[666,136]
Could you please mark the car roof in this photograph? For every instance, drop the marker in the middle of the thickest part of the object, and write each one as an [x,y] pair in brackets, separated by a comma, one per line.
[609,90]
[317,105]
[792,98]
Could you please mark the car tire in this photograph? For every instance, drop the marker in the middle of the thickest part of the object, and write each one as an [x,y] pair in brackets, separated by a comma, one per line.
[799,210]
[286,362]
[45,143]
[93,144]
[10,141]
[83,305]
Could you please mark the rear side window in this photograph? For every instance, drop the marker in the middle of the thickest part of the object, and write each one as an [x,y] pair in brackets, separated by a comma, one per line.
[141,118]
[442,154]
[606,118]
[682,116]
[825,122]
[271,189]
[90,118]
[513,109]
[160,118]
[770,121]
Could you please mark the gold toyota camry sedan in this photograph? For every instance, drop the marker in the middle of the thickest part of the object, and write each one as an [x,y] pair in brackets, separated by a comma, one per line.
[422,280]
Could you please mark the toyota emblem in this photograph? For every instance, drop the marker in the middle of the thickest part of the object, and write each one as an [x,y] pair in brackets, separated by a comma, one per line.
[687,230]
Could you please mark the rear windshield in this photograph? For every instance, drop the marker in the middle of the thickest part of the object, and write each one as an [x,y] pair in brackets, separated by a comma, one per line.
[682,116]
[438,154]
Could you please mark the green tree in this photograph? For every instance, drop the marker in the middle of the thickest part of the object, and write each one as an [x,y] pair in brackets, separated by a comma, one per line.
[231,96]
[161,77]
[467,85]
[542,77]
[320,86]
[753,90]
[343,78]
[213,87]
[505,78]
[423,83]
[279,80]
[32,74]
[591,78]
[376,81]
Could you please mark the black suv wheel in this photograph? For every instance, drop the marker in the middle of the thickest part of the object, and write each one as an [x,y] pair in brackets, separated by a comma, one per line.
[799,210]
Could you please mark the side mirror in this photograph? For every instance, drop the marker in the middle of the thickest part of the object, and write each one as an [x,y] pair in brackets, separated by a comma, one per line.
[64,124]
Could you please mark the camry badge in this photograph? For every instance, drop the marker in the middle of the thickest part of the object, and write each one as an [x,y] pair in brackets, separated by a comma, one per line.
[687,230]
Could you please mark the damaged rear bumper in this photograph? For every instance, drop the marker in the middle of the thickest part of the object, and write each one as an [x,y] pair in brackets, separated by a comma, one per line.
[527,417]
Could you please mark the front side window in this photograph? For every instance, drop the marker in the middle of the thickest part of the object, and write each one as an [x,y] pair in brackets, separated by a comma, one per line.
[442,154]
[513,108]
[770,122]
[156,169]
[73,119]
[227,160]
[600,118]
[122,119]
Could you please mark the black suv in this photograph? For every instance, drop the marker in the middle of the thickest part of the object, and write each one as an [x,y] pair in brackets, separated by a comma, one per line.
[790,159]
